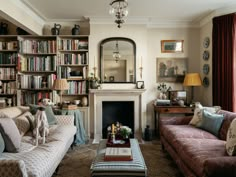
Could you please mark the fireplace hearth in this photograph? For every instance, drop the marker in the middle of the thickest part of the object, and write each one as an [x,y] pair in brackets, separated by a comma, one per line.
[117,111]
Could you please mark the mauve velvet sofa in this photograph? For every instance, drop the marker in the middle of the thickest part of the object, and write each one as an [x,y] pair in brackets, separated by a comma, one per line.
[196,152]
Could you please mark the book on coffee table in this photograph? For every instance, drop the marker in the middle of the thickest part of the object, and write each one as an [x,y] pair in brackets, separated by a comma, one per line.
[118,154]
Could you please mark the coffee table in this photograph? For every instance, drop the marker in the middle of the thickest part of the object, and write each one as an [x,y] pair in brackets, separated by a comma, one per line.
[134,168]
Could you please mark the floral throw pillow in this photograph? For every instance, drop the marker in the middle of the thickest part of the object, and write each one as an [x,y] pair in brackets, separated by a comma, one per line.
[231,139]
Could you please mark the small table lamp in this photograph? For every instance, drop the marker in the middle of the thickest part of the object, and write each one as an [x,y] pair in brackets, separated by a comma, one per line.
[192,79]
[60,85]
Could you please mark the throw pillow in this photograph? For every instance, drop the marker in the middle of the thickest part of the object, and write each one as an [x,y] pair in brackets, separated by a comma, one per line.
[49,113]
[2,144]
[10,134]
[31,120]
[2,115]
[197,117]
[211,122]
[231,139]
[23,123]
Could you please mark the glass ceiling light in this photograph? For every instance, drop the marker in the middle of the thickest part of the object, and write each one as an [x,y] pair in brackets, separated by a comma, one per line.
[116,53]
[119,10]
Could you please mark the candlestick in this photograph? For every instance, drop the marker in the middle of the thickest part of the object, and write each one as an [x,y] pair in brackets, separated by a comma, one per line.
[94,62]
[141,62]
[141,68]
[112,129]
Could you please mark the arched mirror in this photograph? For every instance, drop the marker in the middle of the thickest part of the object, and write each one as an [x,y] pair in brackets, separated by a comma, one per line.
[117,57]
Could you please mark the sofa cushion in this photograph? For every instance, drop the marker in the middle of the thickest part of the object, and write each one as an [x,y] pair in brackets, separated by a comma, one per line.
[231,139]
[2,144]
[31,120]
[23,123]
[197,117]
[195,152]
[10,134]
[211,122]
[49,113]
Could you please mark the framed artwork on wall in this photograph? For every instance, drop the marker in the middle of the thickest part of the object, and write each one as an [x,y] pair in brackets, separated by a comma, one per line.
[171,46]
[171,69]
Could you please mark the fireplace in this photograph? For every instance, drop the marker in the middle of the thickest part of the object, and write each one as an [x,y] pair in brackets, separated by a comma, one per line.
[117,111]
[99,97]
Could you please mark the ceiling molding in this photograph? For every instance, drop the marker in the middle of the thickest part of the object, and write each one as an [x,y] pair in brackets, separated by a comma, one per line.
[29,10]
[218,12]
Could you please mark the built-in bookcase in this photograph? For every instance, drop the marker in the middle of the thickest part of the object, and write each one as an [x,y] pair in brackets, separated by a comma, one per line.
[37,68]
[72,63]
[8,70]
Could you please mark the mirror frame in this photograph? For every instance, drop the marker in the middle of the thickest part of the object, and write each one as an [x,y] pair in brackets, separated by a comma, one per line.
[101,54]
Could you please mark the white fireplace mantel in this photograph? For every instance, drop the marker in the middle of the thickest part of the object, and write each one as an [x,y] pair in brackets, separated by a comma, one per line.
[97,96]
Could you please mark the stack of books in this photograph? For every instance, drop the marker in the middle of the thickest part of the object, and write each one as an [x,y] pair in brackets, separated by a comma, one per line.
[69,107]
[118,154]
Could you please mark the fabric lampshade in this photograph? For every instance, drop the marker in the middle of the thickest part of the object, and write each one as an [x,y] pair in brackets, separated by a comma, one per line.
[60,84]
[192,79]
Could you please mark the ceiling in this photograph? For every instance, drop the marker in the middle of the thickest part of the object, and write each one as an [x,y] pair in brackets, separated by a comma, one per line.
[140,11]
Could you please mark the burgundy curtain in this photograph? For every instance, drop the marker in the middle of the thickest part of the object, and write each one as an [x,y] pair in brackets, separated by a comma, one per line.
[224,62]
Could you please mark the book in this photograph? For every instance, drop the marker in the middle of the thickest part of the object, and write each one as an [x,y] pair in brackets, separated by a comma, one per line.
[118,154]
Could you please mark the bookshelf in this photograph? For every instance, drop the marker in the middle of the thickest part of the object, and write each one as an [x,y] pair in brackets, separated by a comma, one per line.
[36,68]
[8,70]
[72,64]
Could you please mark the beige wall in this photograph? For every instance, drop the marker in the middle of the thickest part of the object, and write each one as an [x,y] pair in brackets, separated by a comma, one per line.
[205,93]
[148,43]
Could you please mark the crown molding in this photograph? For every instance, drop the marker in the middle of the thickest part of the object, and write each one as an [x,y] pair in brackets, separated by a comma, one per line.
[24,5]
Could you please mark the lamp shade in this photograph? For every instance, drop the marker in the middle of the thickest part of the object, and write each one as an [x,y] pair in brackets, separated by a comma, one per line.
[60,84]
[192,79]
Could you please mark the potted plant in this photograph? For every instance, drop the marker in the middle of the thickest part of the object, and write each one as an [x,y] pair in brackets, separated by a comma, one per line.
[93,81]
[162,87]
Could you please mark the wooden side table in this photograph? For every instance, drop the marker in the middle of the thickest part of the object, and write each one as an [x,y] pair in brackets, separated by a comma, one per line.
[169,110]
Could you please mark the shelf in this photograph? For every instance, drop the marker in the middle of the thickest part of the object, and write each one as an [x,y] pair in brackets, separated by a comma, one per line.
[70,51]
[38,72]
[33,89]
[8,65]
[7,94]
[9,50]
[7,80]
[74,94]
[75,79]
[73,65]
[36,54]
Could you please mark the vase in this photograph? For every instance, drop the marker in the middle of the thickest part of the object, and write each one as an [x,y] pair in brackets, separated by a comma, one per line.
[93,84]
[84,101]
[164,97]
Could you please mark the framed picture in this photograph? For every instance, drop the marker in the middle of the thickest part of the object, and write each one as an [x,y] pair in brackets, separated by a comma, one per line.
[171,46]
[176,95]
[171,69]
[140,84]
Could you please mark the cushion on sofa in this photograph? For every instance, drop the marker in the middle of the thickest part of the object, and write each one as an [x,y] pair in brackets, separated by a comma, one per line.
[2,115]
[23,123]
[231,139]
[49,113]
[211,122]
[31,120]
[2,144]
[10,134]
[197,117]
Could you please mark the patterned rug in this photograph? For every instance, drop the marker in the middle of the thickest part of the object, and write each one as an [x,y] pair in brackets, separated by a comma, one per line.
[76,162]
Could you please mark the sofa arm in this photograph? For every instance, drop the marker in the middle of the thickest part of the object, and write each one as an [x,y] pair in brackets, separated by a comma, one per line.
[65,119]
[220,166]
[12,168]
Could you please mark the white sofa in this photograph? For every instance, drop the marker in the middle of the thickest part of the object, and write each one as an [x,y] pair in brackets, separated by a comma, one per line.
[40,161]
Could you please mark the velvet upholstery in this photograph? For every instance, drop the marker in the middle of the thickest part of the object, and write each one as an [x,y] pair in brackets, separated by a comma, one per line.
[197,152]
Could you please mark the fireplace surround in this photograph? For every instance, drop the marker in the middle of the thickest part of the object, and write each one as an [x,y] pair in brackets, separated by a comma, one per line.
[98,96]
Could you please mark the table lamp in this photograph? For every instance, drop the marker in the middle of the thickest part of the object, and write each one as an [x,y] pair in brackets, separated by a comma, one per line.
[192,79]
[60,85]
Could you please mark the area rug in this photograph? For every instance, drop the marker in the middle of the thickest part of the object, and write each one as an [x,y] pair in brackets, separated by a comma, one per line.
[76,162]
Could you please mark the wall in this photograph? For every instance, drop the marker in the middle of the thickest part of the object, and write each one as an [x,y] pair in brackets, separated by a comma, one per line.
[205,93]
[149,48]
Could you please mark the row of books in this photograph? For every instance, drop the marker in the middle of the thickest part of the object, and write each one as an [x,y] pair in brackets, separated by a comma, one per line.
[7,73]
[34,97]
[72,44]
[69,58]
[8,88]
[43,63]
[64,72]
[8,45]
[8,58]
[36,82]
[76,87]
[38,47]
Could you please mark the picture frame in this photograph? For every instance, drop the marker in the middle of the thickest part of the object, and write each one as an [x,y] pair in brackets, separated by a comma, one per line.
[172,46]
[176,95]
[140,84]
[171,69]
